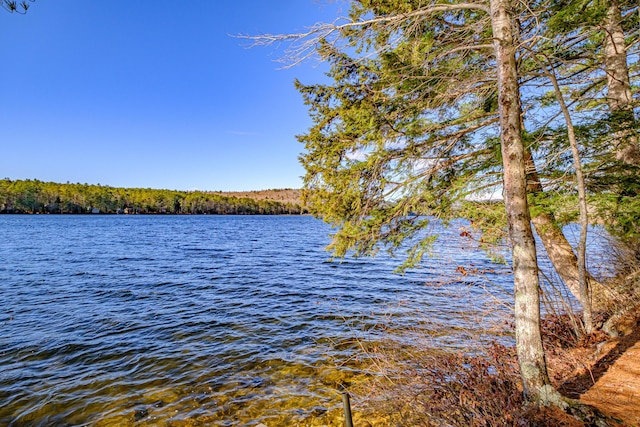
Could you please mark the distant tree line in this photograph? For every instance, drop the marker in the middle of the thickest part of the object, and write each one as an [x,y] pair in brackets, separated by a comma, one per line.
[34,196]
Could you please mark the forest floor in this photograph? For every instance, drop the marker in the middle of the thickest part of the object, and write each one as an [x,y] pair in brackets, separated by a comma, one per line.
[609,377]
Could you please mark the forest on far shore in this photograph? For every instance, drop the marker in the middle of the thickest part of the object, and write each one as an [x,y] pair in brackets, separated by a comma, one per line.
[34,196]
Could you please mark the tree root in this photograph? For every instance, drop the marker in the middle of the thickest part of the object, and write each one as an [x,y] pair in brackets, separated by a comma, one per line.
[589,415]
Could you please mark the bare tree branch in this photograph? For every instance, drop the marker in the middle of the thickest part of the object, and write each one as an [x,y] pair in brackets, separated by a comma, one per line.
[303,45]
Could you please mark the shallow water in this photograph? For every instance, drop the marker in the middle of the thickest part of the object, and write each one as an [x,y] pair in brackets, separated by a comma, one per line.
[207,320]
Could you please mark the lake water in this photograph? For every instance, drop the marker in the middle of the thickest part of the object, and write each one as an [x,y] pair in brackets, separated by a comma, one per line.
[207,320]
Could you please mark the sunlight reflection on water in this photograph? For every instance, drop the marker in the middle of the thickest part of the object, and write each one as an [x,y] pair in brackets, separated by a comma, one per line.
[205,320]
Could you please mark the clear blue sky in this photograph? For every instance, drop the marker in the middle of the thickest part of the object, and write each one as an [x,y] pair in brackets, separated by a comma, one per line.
[154,93]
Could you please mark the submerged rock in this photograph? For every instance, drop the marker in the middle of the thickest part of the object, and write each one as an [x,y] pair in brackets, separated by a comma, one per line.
[316,411]
[141,414]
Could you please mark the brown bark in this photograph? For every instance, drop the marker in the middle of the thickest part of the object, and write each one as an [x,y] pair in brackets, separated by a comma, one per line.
[559,249]
[619,96]
[529,348]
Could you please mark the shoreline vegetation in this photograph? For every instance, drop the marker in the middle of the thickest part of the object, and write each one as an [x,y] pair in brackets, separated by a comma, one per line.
[38,197]
[418,384]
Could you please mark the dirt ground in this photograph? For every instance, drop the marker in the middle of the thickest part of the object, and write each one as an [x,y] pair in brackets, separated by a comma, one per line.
[610,378]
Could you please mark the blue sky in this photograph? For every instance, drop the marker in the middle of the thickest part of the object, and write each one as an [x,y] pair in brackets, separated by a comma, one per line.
[154,93]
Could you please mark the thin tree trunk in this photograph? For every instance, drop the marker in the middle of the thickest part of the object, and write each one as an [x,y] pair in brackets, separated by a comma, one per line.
[559,249]
[533,367]
[585,292]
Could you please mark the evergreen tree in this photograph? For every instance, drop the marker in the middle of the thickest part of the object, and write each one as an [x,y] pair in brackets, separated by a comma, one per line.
[407,130]
[410,125]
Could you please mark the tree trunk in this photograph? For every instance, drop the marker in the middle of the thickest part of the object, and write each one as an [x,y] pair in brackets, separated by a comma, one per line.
[585,290]
[619,95]
[533,367]
[559,249]
[619,98]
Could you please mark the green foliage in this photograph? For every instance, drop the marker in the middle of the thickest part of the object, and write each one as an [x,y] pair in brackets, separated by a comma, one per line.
[567,15]
[576,34]
[613,186]
[33,196]
[407,129]
[621,215]
[488,217]
[396,137]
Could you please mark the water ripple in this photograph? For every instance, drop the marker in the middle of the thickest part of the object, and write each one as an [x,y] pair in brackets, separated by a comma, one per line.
[118,320]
